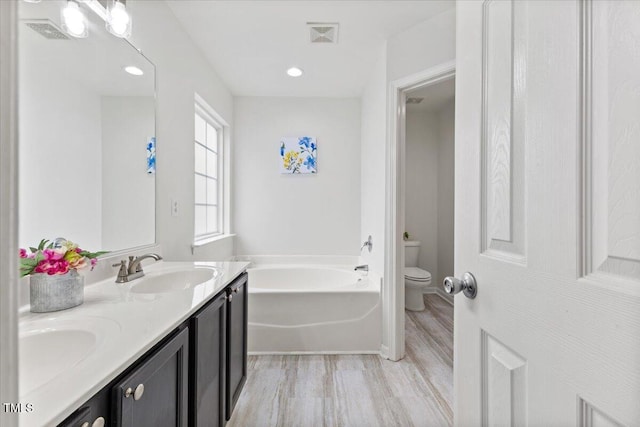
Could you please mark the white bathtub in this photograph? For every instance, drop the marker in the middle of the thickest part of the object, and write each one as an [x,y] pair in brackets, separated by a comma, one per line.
[313,309]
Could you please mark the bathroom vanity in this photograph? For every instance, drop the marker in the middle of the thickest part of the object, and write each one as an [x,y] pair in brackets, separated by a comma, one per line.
[173,353]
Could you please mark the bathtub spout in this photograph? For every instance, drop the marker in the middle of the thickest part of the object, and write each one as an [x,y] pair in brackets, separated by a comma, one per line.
[362,268]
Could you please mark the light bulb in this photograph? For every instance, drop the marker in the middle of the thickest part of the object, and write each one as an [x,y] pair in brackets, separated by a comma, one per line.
[119,20]
[74,21]
[294,72]
[133,70]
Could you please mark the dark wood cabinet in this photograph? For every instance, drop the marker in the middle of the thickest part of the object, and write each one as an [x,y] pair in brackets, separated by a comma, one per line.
[208,351]
[95,412]
[192,378]
[236,341]
[155,394]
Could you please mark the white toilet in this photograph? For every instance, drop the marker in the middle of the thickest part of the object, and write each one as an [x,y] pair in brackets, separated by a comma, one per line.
[416,279]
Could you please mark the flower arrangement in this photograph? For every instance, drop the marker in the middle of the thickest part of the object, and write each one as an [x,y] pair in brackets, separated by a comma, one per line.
[56,258]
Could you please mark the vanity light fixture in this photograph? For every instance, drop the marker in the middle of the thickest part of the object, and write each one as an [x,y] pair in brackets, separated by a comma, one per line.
[118,19]
[32,1]
[294,72]
[133,70]
[74,21]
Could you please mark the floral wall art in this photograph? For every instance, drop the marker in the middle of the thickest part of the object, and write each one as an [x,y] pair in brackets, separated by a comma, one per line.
[298,155]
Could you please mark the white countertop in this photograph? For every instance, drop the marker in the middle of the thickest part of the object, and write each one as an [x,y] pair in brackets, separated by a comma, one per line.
[129,324]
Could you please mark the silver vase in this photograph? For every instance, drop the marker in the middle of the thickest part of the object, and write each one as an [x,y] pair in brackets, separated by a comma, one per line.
[55,292]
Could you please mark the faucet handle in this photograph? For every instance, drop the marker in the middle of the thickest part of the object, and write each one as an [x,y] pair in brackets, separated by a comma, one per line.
[123,273]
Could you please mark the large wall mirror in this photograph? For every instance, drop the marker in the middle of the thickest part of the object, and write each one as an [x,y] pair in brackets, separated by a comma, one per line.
[87,130]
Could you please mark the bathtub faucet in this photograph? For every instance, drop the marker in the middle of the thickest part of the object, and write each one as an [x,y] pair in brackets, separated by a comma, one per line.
[362,268]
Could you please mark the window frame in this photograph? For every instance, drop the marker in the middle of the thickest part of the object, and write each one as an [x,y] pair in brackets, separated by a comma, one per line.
[210,117]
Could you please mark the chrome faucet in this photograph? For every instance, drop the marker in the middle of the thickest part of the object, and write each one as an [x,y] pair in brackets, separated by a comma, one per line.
[134,270]
[361,268]
[367,244]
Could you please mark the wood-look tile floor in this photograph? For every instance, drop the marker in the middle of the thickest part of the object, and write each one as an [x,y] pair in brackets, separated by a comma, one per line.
[358,390]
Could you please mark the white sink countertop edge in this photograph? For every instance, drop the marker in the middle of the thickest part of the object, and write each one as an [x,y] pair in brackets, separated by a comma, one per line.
[144,319]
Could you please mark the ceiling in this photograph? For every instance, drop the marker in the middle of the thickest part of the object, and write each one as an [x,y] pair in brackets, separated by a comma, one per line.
[434,96]
[252,43]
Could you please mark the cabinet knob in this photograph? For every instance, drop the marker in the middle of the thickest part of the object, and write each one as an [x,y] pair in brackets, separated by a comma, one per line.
[235,291]
[137,394]
[229,297]
[128,392]
[85,424]
[98,422]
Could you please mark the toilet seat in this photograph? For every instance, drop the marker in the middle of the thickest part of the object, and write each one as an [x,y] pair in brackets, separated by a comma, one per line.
[417,274]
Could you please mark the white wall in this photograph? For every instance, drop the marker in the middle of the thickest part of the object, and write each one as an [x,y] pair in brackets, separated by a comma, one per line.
[422,46]
[128,192]
[421,173]
[430,187]
[181,71]
[59,192]
[373,158]
[446,168]
[314,214]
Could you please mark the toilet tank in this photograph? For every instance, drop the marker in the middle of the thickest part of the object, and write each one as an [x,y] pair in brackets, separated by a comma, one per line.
[411,251]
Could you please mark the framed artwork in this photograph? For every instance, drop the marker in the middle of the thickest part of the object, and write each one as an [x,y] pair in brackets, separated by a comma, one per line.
[298,155]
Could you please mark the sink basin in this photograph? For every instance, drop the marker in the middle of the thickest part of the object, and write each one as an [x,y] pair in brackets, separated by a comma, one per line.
[50,347]
[173,281]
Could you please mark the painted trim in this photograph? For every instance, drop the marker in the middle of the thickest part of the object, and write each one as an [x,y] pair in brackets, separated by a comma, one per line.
[395,200]
[8,209]
[293,353]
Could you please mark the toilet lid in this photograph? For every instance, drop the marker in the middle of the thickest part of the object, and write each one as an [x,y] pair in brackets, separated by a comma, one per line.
[417,274]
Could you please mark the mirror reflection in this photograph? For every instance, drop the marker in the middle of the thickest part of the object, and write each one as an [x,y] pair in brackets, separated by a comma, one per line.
[87,134]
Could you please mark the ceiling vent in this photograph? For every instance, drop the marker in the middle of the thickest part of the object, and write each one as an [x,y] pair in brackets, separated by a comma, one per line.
[414,100]
[323,32]
[46,29]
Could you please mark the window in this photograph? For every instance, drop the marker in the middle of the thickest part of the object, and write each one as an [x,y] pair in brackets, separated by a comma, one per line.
[208,145]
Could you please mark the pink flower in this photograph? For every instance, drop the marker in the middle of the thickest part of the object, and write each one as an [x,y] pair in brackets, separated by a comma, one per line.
[52,267]
[23,253]
[52,255]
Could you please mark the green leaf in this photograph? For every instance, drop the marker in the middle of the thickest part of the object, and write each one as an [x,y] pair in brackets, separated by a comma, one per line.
[33,250]
[28,262]
[92,255]
[42,244]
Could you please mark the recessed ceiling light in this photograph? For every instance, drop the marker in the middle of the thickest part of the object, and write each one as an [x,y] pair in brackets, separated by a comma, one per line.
[135,71]
[294,72]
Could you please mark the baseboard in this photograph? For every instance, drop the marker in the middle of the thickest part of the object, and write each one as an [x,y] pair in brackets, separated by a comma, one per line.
[444,296]
[308,353]
[384,351]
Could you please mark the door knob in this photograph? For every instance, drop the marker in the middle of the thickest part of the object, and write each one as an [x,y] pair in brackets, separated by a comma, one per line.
[468,285]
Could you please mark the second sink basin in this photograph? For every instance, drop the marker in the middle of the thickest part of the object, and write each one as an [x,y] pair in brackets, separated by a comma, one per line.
[49,347]
[172,281]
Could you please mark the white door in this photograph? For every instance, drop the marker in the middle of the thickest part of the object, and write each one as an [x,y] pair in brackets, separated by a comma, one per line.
[548,213]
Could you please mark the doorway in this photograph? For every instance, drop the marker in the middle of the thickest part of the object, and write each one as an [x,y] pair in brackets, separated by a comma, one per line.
[435,79]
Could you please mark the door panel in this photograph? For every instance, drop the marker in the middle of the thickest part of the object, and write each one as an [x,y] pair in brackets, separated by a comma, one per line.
[612,139]
[547,128]
[502,142]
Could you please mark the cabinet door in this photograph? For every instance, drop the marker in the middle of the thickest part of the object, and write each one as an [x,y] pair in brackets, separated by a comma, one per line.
[95,412]
[155,393]
[236,341]
[208,336]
